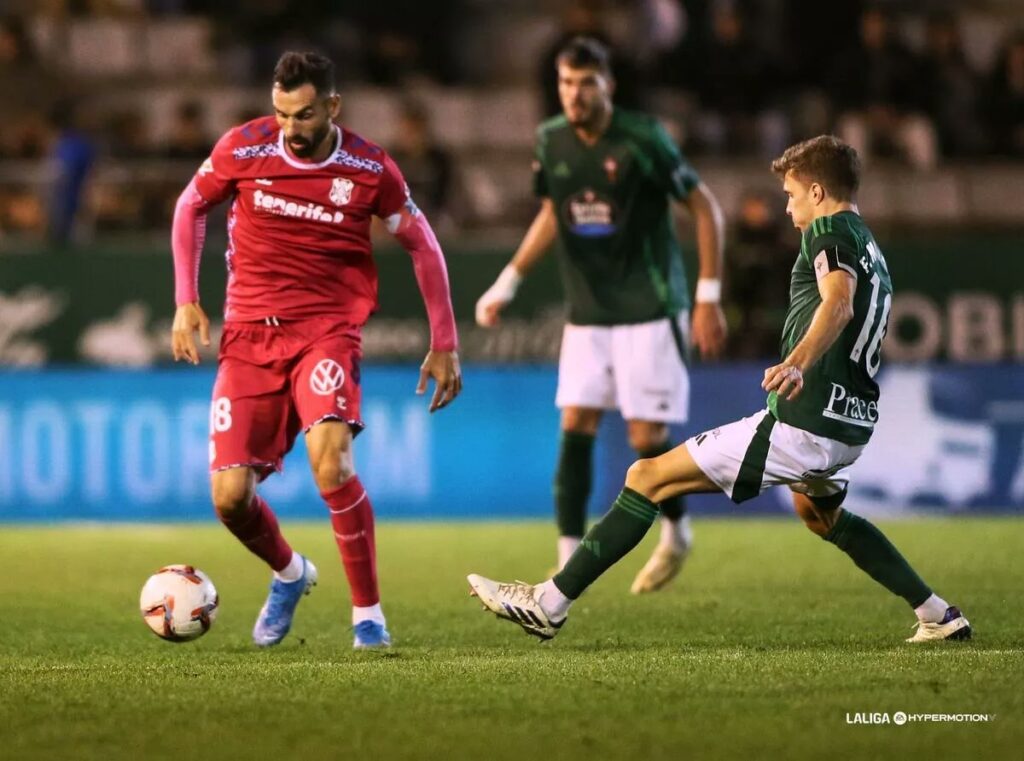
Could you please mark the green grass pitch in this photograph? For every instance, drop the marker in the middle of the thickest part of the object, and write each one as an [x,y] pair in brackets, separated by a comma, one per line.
[763,647]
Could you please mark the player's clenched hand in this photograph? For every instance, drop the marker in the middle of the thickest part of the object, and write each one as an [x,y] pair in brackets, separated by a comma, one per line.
[708,328]
[786,380]
[188,318]
[443,367]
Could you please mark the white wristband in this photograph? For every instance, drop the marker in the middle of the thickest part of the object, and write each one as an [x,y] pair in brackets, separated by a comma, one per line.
[709,290]
[508,282]
[502,292]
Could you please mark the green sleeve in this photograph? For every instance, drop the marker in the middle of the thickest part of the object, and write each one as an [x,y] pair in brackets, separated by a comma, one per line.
[672,171]
[830,251]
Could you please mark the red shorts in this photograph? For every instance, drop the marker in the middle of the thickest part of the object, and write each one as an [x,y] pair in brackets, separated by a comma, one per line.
[276,380]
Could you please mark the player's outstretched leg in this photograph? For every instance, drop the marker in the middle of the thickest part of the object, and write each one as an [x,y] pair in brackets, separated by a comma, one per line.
[541,610]
[874,554]
[675,543]
[352,520]
[619,531]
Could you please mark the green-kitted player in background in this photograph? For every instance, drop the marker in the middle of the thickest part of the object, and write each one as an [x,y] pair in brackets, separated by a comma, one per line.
[606,178]
[822,408]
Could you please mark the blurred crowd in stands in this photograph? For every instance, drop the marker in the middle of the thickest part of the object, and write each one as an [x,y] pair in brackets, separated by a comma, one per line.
[923,84]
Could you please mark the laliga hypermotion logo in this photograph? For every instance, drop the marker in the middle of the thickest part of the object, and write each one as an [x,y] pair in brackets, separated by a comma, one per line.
[326,377]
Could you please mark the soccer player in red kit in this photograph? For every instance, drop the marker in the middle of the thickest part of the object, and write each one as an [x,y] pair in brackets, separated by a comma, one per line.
[301,283]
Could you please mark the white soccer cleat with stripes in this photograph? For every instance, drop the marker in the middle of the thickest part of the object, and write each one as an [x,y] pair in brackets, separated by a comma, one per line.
[954,625]
[517,602]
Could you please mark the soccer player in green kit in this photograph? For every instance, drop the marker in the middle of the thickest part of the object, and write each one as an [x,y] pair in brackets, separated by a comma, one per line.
[822,408]
[606,177]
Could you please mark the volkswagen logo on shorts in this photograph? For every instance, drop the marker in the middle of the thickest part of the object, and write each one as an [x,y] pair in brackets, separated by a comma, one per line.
[326,377]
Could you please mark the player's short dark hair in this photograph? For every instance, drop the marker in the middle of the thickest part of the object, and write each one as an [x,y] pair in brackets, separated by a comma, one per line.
[585,53]
[295,69]
[826,160]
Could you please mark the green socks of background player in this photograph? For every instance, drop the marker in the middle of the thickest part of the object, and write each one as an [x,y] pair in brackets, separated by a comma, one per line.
[611,538]
[878,558]
[573,479]
[572,489]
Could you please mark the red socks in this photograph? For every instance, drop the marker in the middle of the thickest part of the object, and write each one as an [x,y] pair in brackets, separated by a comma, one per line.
[257,529]
[352,519]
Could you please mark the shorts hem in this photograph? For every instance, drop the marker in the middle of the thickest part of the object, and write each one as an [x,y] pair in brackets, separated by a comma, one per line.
[716,481]
[354,423]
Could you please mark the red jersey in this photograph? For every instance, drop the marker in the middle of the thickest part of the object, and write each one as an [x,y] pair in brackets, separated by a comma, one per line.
[298,232]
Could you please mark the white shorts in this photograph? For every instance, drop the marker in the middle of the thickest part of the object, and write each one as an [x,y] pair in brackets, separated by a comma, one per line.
[637,369]
[746,457]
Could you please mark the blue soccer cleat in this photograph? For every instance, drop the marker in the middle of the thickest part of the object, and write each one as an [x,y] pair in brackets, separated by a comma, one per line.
[275,618]
[370,634]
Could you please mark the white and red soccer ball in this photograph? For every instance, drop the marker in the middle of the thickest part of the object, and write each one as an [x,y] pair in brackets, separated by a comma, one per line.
[179,603]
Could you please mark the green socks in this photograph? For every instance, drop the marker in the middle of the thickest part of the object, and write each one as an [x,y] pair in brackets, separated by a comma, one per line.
[878,558]
[672,508]
[572,482]
[610,539]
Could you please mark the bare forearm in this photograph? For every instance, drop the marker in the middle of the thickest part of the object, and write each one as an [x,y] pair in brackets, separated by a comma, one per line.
[830,318]
[710,223]
[537,241]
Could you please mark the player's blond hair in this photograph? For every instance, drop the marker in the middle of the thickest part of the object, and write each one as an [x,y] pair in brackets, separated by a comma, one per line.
[826,160]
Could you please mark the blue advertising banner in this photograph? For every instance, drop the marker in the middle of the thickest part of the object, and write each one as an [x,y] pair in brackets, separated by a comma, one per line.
[132,445]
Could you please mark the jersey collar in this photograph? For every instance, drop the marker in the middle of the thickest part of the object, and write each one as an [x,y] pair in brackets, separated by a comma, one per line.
[283,152]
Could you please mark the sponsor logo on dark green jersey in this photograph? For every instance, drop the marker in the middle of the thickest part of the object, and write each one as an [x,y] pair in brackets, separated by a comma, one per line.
[590,214]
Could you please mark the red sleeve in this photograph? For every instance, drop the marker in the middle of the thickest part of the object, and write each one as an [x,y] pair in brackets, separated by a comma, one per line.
[187,235]
[211,184]
[413,231]
[392,192]
[214,181]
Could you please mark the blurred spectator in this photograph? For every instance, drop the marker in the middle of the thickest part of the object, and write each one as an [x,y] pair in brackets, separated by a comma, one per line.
[188,138]
[761,253]
[427,167]
[950,89]
[1006,101]
[28,90]
[738,91]
[128,135]
[21,212]
[588,18]
[875,87]
[411,39]
[72,157]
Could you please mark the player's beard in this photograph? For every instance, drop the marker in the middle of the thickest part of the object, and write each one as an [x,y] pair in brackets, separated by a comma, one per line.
[588,116]
[302,148]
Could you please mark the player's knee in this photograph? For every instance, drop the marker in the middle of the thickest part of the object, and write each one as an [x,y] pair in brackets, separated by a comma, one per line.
[643,477]
[231,497]
[331,472]
[817,520]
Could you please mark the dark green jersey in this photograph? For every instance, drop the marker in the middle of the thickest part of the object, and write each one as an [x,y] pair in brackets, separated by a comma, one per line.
[840,396]
[619,257]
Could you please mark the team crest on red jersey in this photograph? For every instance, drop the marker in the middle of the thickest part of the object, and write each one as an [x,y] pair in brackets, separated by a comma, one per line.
[341,191]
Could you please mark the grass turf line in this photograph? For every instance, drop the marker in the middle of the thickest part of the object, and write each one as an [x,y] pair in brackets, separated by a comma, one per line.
[761,649]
